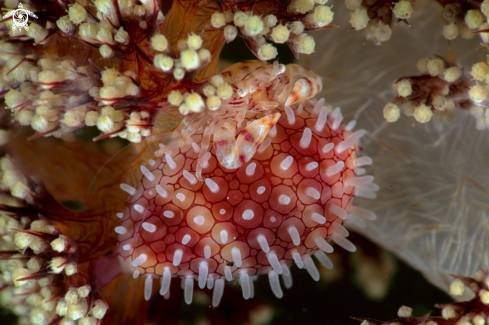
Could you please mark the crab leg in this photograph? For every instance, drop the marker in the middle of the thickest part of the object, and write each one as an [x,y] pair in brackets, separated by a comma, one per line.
[306,83]
[232,153]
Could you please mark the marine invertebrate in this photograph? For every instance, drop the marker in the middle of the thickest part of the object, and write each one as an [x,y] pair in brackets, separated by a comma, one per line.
[273,197]
[473,311]
[448,216]
[432,193]
[442,86]
[47,254]
[60,92]
[441,89]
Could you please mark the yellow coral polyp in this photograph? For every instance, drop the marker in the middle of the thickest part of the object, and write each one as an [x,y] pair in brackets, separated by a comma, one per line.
[404,88]
[452,74]
[253,25]
[403,9]
[300,6]
[391,112]
[474,19]
[423,113]
[164,62]
[359,19]
[267,52]
[194,42]
[306,44]
[194,102]
[224,90]
[478,93]
[159,42]
[322,16]
[480,71]
[218,20]
[450,31]
[280,34]
[457,287]
[190,59]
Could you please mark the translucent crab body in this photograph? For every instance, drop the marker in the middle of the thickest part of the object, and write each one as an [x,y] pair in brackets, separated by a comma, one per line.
[258,87]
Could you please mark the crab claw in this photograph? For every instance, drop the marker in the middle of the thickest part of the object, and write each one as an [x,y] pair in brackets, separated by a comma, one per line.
[232,153]
[306,83]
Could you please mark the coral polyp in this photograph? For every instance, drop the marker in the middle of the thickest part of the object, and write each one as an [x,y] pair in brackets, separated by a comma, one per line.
[473,311]
[47,254]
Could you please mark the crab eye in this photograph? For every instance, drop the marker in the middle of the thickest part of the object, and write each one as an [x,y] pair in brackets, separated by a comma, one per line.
[242,92]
